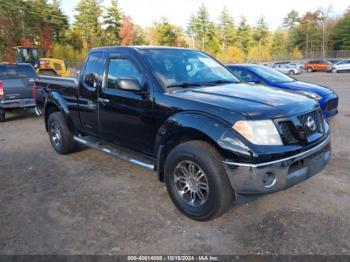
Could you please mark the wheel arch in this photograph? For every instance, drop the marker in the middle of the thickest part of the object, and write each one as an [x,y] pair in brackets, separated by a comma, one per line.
[187,126]
[55,103]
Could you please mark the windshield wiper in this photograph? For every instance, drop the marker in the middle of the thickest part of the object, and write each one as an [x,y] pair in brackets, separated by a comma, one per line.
[185,84]
[220,82]
[217,82]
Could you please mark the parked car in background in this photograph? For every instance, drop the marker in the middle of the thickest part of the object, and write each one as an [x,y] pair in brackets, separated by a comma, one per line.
[341,66]
[299,64]
[17,87]
[289,69]
[255,74]
[317,65]
[280,63]
[334,61]
[185,115]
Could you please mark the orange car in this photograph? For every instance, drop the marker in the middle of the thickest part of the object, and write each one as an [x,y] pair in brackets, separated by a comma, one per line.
[317,65]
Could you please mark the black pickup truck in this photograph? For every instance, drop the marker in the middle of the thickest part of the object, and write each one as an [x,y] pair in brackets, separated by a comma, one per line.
[186,116]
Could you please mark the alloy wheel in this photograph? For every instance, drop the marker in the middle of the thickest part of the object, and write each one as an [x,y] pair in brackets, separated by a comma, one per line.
[191,183]
[56,133]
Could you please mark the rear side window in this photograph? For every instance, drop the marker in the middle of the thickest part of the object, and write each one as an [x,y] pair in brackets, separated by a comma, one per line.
[2,72]
[26,71]
[11,71]
[17,71]
[93,69]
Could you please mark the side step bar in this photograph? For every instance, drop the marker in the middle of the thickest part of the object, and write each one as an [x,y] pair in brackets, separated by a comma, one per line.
[114,153]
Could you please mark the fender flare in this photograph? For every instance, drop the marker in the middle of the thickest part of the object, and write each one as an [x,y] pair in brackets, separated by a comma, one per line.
[54,99]
[212,127]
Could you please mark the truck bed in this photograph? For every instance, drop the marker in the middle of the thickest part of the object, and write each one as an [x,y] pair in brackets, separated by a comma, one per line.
[68,87]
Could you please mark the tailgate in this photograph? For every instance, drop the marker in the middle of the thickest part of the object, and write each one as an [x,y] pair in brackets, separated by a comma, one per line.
[18,88]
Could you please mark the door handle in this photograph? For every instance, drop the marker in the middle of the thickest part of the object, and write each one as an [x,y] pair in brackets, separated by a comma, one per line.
[103,101]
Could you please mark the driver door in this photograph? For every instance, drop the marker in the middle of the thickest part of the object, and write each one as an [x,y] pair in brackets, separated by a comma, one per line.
[125,116]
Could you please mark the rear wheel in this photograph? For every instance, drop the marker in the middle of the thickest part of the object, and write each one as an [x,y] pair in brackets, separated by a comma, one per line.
[197,182]
[60,136]
[2,115]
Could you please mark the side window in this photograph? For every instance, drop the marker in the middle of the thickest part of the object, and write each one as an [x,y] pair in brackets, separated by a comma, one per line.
[26,72]
[121,68]
[93,69]
[246,76]
[11,71]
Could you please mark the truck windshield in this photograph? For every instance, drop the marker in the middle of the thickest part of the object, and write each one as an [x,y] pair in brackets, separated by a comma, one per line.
[186,68]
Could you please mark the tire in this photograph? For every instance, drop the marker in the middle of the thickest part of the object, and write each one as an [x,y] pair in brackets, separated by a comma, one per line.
[310,70]
[2,115]
[334,71]
[60,136]
[291,72]
[205,159]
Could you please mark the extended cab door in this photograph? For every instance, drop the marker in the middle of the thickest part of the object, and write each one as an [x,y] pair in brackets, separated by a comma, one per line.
[125,115]
[91,81]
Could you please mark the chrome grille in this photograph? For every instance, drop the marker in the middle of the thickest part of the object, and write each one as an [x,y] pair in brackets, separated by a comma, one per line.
[286,130]
[306,121]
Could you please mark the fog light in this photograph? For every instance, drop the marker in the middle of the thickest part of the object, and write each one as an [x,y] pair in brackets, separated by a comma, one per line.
[269,179]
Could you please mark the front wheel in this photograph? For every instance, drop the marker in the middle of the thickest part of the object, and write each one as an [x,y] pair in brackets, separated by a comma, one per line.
[310,70]
[60,136]
[197,182]
[291,72]
[334,70]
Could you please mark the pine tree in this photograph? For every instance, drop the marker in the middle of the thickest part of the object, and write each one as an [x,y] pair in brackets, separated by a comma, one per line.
[87,21]
[261,32]
[244,35]
[112,20]
[341,36]
[165,33]
[227,31]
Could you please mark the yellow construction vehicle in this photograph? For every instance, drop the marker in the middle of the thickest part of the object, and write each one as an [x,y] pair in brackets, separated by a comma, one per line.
[43,66]
[53,67]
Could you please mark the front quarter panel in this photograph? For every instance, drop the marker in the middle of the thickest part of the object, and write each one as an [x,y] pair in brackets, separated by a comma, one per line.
[217,130]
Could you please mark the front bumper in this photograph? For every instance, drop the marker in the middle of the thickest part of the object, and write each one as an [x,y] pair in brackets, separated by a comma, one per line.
[280,174]
[17,103]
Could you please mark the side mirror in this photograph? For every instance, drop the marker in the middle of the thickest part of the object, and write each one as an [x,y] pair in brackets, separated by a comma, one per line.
[90,80]
[129,84]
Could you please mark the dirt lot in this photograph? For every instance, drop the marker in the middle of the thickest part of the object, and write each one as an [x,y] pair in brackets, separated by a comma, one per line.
[91,203]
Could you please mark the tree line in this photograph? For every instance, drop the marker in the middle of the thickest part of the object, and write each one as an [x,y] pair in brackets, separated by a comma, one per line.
[44,24]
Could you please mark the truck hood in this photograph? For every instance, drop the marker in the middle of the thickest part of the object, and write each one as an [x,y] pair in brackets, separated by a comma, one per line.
[251,101]
[303,86]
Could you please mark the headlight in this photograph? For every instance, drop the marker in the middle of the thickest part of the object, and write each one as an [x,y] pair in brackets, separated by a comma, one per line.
[262,132]
[311,95]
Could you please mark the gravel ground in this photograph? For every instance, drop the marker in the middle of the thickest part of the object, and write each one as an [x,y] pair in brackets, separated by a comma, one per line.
[91,203]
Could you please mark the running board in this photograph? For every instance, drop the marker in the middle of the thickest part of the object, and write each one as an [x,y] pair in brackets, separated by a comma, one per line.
[115,153]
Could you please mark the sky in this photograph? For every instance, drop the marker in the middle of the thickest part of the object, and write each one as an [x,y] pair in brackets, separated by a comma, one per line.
[145,12]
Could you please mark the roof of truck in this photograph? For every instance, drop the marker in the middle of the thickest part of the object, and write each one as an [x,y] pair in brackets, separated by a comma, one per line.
[106,48]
